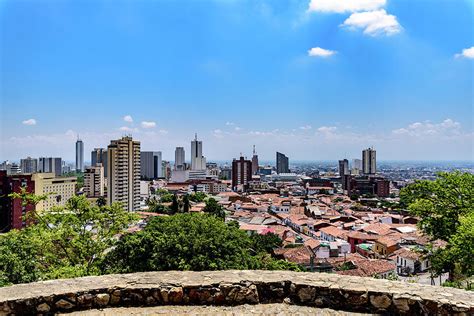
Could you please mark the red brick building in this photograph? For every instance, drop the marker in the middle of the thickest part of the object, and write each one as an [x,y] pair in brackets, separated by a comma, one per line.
[241,173]
[12,212]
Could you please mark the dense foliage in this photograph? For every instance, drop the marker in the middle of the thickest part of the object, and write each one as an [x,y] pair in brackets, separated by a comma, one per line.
[445,207]
[64,242]
[191,242]
[85,239]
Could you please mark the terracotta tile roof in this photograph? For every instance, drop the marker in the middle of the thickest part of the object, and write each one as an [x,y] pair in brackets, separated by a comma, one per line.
[408,254]
[300,255]
[334,231]
[369,267]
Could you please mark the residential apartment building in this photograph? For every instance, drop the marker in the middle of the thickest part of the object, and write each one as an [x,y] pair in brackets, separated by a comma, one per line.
[123,181]
[99,155]
[94,181]
[241,173]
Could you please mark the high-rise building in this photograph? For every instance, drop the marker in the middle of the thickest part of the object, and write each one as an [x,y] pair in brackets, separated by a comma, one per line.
[254,161]
[198,161]
[12,211]
[123,180]
[343,167]
[344,172]
[79,156]
[357,164]
[282,163]
[59,189]
[99,155]
[94,181]
[151,165]
[241,173]
[179,158]
[29,165]
[49,164]
[369,161]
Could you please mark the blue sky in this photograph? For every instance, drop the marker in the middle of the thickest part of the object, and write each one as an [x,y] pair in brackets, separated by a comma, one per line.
[319,79]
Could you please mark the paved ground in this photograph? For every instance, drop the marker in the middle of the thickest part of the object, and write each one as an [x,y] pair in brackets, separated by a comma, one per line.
[261,309]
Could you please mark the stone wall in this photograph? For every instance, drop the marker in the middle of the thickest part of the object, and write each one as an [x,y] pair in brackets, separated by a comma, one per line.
[234,288]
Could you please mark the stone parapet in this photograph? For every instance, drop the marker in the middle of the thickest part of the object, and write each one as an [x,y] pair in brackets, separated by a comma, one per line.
[234,287]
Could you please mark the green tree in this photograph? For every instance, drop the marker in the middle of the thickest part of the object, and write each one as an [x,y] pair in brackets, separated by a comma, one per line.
[445,207]
[265,243]
[62,242]
[440,203]
[214,208]
[174,205]
[198,197]
[101,201]
[186,205]
[182,242]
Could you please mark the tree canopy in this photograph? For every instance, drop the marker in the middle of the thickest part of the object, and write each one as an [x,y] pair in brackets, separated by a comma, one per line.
[445,207]
[191,242]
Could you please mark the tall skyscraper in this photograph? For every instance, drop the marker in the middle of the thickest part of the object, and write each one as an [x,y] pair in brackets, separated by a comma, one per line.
[282,163]
[151,166]
[241,173]
[344,167]
[198,161]
[254,161]
[49,164]
[79,155]
[123,157]
[357,164]
[94,181]
[179,158]
[29,165]
[99,155]
[369,165]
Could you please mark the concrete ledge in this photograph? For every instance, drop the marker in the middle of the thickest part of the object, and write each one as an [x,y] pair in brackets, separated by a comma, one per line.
[234,287]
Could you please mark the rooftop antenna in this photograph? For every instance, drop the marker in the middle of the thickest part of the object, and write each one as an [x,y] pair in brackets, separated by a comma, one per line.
[254,149]
[196,136]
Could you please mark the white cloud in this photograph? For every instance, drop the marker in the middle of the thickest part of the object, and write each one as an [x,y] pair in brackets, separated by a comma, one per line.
[320,52]
[306,127]
[146,124]
[229,123]
[447,128]
[466,53]
[341,6]
[237,128]
[128,129]
[128,119]
[373,23]
[327,129]
[29,122]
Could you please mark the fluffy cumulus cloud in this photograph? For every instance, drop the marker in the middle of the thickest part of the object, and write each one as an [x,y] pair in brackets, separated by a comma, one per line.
[29,122]
[466,53]
[146,124]
[341,6]
[128,119]
[320,52]
[373,23]
[229,123]
[447,128]
[305,127]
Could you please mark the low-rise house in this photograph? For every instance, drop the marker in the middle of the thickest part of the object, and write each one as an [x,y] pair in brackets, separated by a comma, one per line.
[410,262]
[331,233]
[386,245]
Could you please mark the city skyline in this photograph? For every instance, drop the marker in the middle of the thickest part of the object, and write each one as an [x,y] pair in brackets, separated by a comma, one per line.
[318,85]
